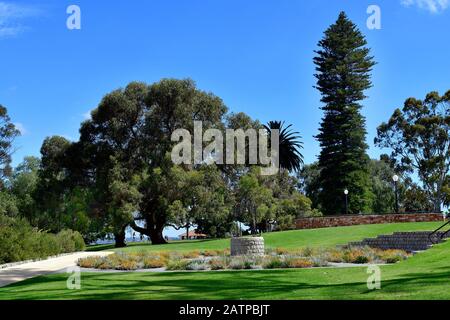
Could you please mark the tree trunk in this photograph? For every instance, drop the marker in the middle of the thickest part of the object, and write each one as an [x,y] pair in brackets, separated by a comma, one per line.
[156,236]
[120,239]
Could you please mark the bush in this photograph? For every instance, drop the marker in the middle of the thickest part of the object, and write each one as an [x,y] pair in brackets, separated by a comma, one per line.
[334,255]
[70,241]
[307,252]
[295,262]
[177,264]
[211,253]
[281,251]
[275,262]
[153,262]
[362,255]
[19,241]
[219,263]
[190,254]
[89,262]
[392,256]
[245,262]
[199,264]
[127,265]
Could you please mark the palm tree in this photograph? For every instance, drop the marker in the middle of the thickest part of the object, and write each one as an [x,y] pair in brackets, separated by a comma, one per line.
[290,157]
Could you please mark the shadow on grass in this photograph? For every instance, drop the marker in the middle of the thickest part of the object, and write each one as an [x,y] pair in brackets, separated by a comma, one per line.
[273,284]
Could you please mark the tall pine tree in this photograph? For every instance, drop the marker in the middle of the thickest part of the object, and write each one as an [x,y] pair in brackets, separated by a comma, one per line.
[343,66]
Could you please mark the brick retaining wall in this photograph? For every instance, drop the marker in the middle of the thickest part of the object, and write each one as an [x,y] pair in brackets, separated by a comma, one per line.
[340,221]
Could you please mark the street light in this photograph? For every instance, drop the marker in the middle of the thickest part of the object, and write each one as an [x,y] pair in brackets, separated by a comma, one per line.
[346,201]
[395,179]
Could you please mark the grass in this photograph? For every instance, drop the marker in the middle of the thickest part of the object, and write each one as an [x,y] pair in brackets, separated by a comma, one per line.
[424,276]
[327,237]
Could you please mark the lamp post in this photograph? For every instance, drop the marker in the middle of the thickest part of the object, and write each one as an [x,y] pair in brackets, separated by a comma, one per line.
[346,201]
[395,179]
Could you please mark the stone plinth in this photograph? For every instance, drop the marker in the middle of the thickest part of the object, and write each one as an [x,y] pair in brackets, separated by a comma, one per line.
[247,246]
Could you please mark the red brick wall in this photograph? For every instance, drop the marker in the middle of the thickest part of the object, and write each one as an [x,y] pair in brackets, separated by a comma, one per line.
[339,221]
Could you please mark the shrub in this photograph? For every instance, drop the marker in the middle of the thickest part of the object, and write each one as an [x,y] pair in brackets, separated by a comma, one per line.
[190,254]
[152,262]
[359,255]
[392,256]
[127,265]
[199,264]
[89,262]
[295,262]
[334,255]
[275,262]
[361,259]
[105,264]
[307,252]
[245,262]
[319,261]
[177,264]
[219,263]
[211,253]
[281,251]
[70,241]
[20,241]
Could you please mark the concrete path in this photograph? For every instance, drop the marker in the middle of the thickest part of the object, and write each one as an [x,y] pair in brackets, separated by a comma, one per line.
[33,269]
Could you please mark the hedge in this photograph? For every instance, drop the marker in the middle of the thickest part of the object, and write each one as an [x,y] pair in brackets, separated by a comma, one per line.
[19,241]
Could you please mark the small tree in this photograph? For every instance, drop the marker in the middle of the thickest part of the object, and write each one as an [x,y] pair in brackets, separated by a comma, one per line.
[419,137]
[254,201]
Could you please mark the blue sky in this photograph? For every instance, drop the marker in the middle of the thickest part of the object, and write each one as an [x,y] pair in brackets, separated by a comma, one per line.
[256,55]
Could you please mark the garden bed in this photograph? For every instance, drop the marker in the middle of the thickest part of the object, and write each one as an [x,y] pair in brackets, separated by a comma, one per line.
[213,260]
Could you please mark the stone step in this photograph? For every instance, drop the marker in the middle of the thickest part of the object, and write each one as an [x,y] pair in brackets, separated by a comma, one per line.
[407,241]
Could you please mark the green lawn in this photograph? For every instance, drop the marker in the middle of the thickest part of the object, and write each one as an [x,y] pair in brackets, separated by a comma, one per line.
[327,237]
[424,276]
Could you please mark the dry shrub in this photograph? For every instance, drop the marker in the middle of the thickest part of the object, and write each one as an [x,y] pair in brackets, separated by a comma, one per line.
[127,265]
[209,253]
[299,263]
[219,263]
[274,262]
[334,255]
[245,262]
[177,264]
[360,255]
[307,252]
[191,254]
[281,251]
[392,256]
[89,262]
[153,262]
